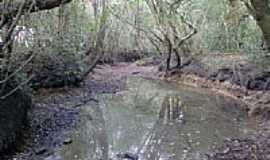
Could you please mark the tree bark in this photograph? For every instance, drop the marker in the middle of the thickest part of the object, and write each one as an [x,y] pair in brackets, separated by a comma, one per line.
[10,8]
[261,13]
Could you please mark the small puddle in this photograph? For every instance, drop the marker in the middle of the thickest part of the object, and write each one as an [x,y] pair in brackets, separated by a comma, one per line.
[156,121]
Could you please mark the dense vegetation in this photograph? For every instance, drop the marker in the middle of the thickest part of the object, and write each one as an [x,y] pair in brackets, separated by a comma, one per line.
[38,41]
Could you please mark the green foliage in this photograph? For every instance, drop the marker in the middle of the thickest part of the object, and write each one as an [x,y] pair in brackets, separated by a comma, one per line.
[52,37]
[242,36]
[221,27]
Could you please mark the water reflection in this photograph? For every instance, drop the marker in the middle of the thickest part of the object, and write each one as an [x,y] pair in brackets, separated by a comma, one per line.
[183,131]
[90,140]
[161,142]
[156,121]
[171,110]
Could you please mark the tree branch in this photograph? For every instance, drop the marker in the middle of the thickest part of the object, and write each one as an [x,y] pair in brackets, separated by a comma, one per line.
[188,36]
[10,9]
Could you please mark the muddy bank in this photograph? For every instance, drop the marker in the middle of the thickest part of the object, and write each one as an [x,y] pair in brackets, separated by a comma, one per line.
[148,113]
[245,75]
[54,114]
[243,81]
[256,147]
[57,110]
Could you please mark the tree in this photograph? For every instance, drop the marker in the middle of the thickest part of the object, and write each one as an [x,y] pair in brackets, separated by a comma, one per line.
[98,44]
[11,13]
[11,8]
[260,10]
[170,24]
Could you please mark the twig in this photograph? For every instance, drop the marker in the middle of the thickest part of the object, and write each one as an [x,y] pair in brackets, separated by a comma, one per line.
[146,32]
[19,69]
[16,88]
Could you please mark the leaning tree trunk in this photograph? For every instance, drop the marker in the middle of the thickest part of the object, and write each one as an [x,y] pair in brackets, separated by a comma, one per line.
[100,37]
[14,101]
[261,11]
[10,8]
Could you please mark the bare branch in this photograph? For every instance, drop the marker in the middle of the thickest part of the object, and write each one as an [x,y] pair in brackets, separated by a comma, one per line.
[249,7]
[19,69]
[16,88]
[188,36]
[11,12]
[11,8]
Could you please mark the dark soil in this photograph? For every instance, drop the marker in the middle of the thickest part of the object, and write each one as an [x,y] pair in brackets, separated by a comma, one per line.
[54,71]
[253,148]
[246,76]
[13,118]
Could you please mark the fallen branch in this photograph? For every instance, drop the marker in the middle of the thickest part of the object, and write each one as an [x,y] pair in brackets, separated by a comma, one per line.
[19,69]
[90,68]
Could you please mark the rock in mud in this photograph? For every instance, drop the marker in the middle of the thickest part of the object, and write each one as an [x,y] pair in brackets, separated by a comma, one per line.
[53,157]
[67,141]
[128,156]
[41,151]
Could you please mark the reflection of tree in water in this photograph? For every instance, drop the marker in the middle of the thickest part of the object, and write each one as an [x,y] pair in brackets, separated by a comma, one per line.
[91,140]
[163,142]
[171,110]
[186,132]
[101,146]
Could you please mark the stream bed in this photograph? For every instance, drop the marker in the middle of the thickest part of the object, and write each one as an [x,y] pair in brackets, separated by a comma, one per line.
[156,120]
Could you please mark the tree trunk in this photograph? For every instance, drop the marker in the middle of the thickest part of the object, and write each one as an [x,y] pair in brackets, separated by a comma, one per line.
[178,58]
[100,37]
[261,13]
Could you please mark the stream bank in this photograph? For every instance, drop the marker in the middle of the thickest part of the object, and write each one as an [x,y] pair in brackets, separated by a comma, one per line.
[58,111]
[230,75]
[234,76]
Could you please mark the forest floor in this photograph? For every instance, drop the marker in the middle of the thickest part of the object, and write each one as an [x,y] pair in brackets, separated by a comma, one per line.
[57,110]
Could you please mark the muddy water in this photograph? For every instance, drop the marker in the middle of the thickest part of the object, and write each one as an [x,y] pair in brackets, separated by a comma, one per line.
[154,120]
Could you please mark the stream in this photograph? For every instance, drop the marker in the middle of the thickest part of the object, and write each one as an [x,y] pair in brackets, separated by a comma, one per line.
[155,120]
